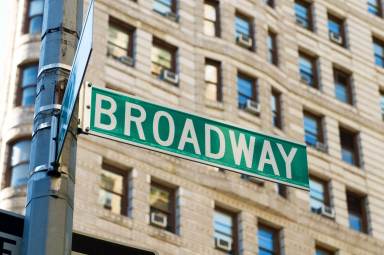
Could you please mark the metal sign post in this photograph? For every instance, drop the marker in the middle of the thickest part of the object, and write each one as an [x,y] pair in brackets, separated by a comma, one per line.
[131,120]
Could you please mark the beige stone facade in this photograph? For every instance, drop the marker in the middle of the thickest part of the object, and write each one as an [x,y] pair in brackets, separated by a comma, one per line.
[200,188]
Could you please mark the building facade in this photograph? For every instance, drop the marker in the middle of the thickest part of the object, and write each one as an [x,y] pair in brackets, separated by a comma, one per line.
[311,71]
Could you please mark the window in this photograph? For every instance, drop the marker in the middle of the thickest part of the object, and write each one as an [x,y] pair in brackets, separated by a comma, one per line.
[270,3]
[243,29]
[323,251]
[272,48]
[120,41]
[163,57]
[343,88]
[165,7]
[336,30]
[313,129]
[378,47]
[34,19]
[375,7]
[382,104]
[303,12]
[213,80]
[18,163]
[224,224]
[357,214]
[26,93]
[246,90]
[349,147]
[268,240]
[319,194]
[282,190]
[211,18]
[113,193]
[162,207]
[308,69]
[276,109]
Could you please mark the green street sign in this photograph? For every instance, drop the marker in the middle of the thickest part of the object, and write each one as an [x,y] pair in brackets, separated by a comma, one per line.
[131,120]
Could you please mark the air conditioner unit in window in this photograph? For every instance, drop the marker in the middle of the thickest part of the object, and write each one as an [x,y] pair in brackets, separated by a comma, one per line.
[335,37]
[159,219]
[126,60]
[305,79]
[328,211]
[321,146]
[172,16]
[244,41]
[224,244]
[170,76]
[252,107]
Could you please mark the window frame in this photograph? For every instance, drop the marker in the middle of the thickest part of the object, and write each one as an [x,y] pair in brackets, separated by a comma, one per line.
[219,84]
[273,52]
[235,227]
[275,236]
[157,42]
[7,175]
[355,149]
[326,195]
[381,103]
[342,23]
[308,6]
[27,18]
[270,3]
[173,7]
[348,85]
[314,68]
[278,112]
[128,29]
[171,215]
[215,4]
[319,121]
[124,204]
[363,213]
[253,86]
[379,7]
[18,101]
[379,43]
[250,21]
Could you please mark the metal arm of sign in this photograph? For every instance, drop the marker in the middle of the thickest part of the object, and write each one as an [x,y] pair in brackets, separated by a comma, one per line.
[53,164]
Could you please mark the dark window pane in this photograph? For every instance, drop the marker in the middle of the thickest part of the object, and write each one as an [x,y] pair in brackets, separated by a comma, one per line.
[342,87]
[349,150]
[307,70]
[378,48]
[382,104]
[272,48]
[276,109]
[20,175]
[321,251]
[356,212]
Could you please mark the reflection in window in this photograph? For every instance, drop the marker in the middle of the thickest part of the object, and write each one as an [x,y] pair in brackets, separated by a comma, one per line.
[212,80]
[312,129]
[120,40]
[343,89]
[272,48]
[162,57]
[19,162]
[308,70]
[224,227]
[163,6]
[357,212]
[27,89]
[303,14]
[323,251]
[245,90]
[336,30]
[268,240]
[276,109]
[211,18]
[375,7]
[113,190]
[35,16]
[378,47]
[318,194]
[162,207]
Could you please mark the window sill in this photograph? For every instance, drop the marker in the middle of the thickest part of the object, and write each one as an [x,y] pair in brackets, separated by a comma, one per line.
[214,104]
[165,235]
[249,117]
[379,69]
[13,192]
[119,219]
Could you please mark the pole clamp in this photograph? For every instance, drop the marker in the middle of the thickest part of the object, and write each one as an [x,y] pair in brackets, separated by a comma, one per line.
[60,29]
[54,66]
